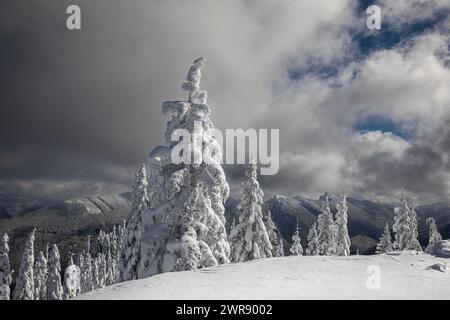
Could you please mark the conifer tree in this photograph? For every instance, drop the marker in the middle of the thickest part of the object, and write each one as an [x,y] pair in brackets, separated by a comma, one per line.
[313,248]
[188,189]
[54,288]
[326,231]
[274,236]
[24,289]
[433,234]
[40,277]
[132,244]
[72,279]
[342,238]
[251,240]
[405,226]
[385,245]
[5,268]
[296,247]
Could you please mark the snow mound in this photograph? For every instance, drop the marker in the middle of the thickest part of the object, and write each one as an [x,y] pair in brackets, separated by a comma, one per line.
[442,249]
[402,276]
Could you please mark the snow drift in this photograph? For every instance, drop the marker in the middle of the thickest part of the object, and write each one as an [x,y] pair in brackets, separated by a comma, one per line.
[401,276]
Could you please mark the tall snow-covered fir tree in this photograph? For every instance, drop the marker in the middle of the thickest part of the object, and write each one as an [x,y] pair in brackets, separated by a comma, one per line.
[184,226]
[414,234]
[342,240]
[274,236]
[72,280]
[405,226]
[5,268]
[40,277]
[131,255]
[326,230]
[313,248]
[251,240]
[433,234]
[296,247]
[54,287]
[385,244]
[24,289]
[86,281]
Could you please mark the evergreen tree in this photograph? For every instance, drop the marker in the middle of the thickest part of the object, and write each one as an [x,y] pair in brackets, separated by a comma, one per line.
[5,268]
[342,238]
[102,270]
[385,245]
[313,248]
[251,240]
[433,234]
[326,231]
[132,244]
[24,289]
[405,226]
[54,288]
[86,281]
[96,273]
[296,247]
[72,280]
[414,243]
[274,236]
[40,277]
[187,196]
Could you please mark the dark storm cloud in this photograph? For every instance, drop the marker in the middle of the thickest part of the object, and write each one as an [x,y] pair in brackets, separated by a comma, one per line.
[80,110]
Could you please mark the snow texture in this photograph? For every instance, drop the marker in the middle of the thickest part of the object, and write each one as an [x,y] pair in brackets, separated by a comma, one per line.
[403,275]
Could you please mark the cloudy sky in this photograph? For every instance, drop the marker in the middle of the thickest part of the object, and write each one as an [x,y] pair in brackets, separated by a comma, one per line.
[360,109]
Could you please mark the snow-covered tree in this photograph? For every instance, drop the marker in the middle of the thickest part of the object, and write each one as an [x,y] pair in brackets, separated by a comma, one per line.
[296,247]
[414,242]
[110,262]
[384,244]
[40,277]
[251,241]
[342,240]
[274,236]
[72,280]
[189,189]
[54,288]
[102,270]
[132,244]
[313,248]
[325,230]
[433,234]
[95,274]
[405,226]
[86,281]
[5,268]
[24,289]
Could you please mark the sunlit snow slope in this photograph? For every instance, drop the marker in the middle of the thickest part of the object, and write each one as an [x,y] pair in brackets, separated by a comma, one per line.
[402,276]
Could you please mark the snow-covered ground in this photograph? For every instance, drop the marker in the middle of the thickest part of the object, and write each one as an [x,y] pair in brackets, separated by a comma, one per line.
[401,276]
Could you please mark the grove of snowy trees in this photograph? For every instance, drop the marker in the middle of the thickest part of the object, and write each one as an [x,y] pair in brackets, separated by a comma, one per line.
[177,220]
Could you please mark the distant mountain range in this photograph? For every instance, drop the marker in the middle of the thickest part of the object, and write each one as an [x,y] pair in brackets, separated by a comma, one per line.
[68,222]
[366,219]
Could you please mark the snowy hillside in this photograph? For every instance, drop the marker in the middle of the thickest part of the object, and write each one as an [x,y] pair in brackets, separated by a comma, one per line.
[402,276]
